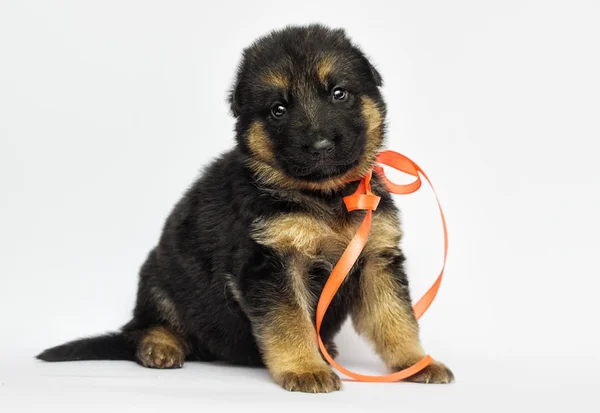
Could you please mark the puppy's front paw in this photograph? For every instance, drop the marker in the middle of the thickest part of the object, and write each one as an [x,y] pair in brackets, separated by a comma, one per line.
[319,381]
[435,373]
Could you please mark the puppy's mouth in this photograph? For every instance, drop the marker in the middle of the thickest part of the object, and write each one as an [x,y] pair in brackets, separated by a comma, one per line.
[321,170]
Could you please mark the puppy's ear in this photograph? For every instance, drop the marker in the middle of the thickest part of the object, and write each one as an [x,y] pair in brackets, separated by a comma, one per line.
[233,99]
[374,72]
[376,76]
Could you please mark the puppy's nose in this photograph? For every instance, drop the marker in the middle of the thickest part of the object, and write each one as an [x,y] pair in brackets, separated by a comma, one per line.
[322,146]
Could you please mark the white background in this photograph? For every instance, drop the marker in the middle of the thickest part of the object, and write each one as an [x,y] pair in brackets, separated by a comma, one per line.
[108,111]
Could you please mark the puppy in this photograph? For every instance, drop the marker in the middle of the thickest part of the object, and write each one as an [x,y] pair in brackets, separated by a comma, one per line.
[245,253]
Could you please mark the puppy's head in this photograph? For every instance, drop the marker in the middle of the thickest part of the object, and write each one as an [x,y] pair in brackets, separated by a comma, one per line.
[308,107]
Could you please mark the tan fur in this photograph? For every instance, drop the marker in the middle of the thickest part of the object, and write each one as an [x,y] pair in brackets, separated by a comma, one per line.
[160,335]
[232,286]
[276,80]
[384,319]
[374,121]
[267,174]
[296,233]
[263,166]
[160,348]
[373,117]
[288,341]
[324,68]
[296,268]
[314,236]
[385,234]
[436,372]
[291,353]
[259,144]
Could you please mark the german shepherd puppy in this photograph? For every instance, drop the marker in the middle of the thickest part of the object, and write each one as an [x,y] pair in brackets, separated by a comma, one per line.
[245,253]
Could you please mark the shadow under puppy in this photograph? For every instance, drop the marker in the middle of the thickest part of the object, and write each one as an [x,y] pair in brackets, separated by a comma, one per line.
[245,253]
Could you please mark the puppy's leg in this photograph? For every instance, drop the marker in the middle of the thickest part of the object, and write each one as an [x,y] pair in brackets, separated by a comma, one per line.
[285,333]
[287,338]
[383,314]
[159,348]
[331,349]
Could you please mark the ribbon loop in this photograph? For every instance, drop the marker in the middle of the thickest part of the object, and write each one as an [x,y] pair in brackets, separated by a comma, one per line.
[354,202]
[363,198]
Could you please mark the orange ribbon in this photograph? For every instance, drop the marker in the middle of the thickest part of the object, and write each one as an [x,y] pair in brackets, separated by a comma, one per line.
[364,199]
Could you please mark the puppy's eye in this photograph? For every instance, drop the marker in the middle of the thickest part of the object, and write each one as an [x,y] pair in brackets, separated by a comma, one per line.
[278,110]
[339,93]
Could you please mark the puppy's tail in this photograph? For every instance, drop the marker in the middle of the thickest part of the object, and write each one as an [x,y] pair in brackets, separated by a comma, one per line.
[113,346]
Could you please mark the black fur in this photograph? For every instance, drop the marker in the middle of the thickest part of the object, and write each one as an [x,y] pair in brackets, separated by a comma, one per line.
[107,347]
[206,239]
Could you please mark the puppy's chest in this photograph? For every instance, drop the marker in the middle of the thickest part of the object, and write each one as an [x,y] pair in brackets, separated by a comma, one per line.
[324,237]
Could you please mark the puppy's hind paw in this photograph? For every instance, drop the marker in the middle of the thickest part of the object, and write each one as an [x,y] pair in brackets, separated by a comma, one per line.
[160,356]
